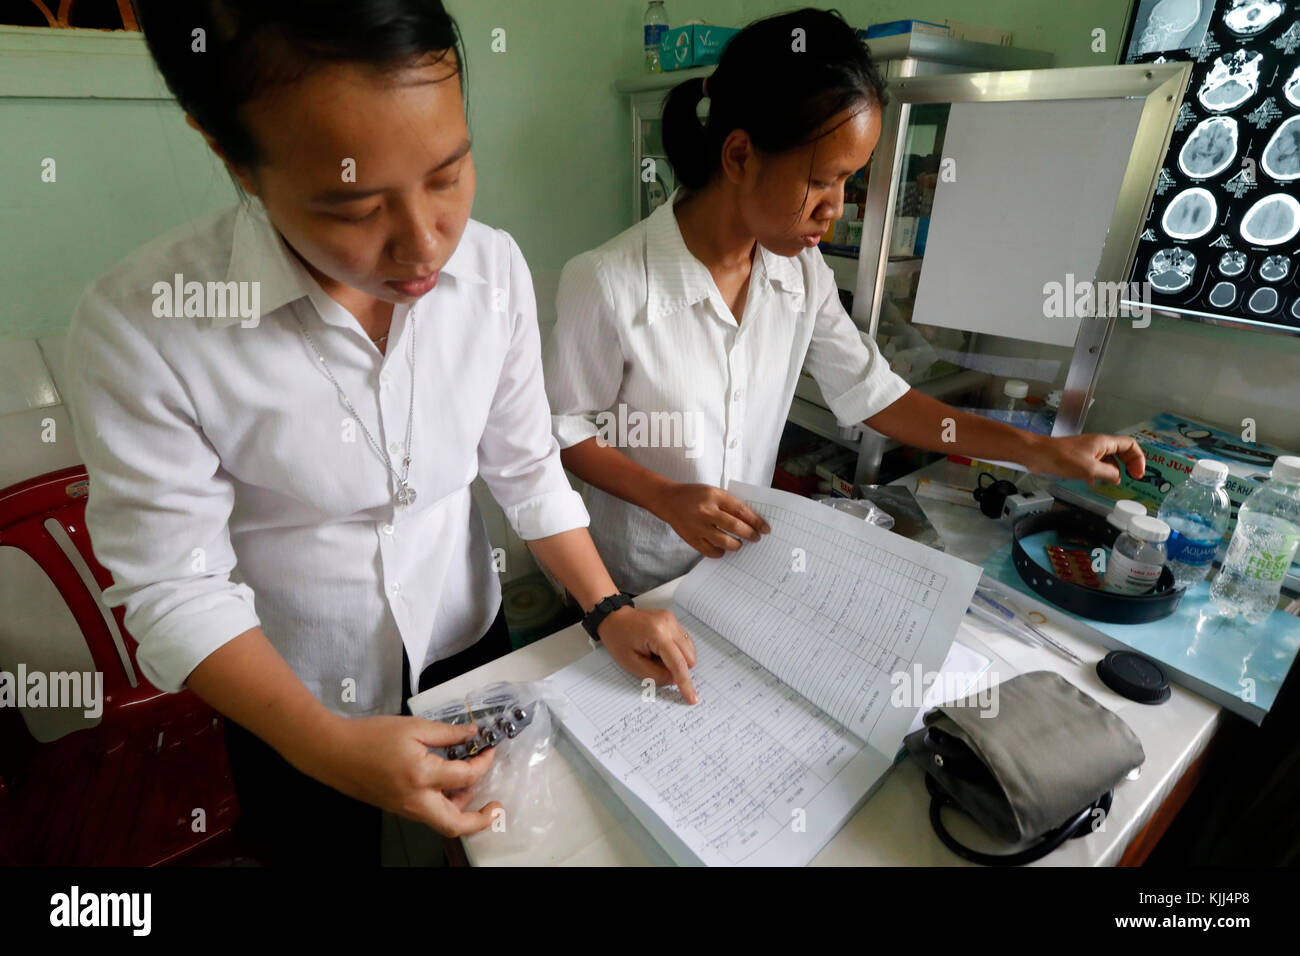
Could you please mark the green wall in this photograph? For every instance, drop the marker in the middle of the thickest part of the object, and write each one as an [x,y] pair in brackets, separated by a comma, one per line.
[552,136]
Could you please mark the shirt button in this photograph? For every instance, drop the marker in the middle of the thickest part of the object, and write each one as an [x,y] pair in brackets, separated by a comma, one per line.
[735,396]
[733,443]
[388,529]
[394,587]
[395,447]
[384,377]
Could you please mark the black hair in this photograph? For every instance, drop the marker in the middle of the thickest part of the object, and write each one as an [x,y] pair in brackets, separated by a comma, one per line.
[251,46]
[778,86]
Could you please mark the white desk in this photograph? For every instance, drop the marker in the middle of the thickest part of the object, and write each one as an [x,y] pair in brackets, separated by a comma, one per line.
[592,827]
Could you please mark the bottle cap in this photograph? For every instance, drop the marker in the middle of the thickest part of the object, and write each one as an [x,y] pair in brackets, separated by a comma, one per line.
[1286,468]
[1123,512]
[1208,469]
[1133,676]
[1148,529]
[1015,388]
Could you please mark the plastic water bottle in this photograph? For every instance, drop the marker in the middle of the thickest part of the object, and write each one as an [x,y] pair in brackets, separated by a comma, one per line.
[656,25]
[1138,556]
[1197,512]
[1044,420]
[1011,407]
[1262,546]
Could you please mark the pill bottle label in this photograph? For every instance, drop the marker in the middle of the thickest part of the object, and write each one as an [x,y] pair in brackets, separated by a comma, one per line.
[1127,576]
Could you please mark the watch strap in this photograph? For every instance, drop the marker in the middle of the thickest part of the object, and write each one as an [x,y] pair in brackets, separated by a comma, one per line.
[603,609]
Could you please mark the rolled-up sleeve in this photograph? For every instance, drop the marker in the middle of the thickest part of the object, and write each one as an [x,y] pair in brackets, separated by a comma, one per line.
[518,456]
[159,502]
[854,377]
[584,358]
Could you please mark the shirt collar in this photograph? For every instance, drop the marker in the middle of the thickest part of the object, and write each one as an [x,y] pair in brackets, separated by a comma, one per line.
[676,279]
[781,271]
[259,254]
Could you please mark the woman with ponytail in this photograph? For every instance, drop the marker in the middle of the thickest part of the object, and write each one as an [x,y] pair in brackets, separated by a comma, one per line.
[692,327]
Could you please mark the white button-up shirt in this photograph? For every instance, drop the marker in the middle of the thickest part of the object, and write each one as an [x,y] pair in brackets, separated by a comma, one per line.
[231,487]
[647,355]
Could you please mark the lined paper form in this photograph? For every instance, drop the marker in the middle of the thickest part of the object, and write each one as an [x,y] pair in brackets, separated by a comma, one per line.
[753,774]
[797,638]
[835,606]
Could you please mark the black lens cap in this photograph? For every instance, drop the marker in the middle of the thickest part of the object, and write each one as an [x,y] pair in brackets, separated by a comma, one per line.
[1133,676]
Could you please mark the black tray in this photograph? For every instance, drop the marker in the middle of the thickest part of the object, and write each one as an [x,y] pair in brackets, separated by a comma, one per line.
[1091,603]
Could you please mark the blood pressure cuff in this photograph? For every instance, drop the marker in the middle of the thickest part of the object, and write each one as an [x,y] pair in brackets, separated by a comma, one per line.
[1024,761]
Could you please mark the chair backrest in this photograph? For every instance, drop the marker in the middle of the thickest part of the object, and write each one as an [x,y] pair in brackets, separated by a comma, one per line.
[44,517]
[123,792]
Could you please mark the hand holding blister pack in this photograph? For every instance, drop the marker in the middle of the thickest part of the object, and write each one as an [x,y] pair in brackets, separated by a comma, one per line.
[514,720]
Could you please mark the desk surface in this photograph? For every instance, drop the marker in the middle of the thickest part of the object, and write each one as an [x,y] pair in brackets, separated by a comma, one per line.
[592,827]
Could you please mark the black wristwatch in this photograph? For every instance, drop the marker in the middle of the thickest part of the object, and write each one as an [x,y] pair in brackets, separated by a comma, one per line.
[603,610]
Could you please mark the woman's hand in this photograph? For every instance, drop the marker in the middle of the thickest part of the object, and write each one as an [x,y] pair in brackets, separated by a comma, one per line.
[651,644]
[1087,457]
[385,761]
[709,519]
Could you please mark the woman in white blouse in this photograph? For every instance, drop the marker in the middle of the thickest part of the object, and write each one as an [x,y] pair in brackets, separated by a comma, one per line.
[693,325]
[282,407]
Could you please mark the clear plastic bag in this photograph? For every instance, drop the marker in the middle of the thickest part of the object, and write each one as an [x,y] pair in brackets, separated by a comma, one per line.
[859,508]
[514,719]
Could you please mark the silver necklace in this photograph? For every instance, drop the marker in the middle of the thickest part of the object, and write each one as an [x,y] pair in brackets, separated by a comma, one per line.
[405,494]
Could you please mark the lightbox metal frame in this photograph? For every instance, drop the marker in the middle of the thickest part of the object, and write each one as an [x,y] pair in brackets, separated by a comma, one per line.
[1161,85]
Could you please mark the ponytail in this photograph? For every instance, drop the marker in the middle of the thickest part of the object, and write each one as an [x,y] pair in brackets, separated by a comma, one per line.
[779,91]
[686,138]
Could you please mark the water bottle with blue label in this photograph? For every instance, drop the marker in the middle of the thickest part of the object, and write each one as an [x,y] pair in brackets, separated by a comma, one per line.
[1197,512]
[1262,546]
[656,25]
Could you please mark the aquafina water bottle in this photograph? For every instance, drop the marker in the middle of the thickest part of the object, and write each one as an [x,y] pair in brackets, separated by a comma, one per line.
[1197,512]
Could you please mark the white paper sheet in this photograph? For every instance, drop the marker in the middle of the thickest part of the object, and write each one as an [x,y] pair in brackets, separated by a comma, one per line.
[834,606]
[752,775]
[961,671]
[760,773]
[1029,202]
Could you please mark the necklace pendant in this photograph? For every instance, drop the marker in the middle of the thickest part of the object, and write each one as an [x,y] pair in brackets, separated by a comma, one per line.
[405,495]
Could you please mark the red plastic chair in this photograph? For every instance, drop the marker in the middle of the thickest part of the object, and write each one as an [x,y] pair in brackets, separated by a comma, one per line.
[122,793]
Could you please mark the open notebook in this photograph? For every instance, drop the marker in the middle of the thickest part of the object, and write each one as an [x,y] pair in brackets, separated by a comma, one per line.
[807,644]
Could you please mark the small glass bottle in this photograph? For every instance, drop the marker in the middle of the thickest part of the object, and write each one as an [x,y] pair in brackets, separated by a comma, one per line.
[1138,557]
[1124,512]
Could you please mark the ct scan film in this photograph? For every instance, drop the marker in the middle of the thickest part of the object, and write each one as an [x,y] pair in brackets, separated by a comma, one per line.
[1220,241]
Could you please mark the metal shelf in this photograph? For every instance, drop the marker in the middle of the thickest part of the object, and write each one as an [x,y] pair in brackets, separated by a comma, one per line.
[936,53]
[821,422]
